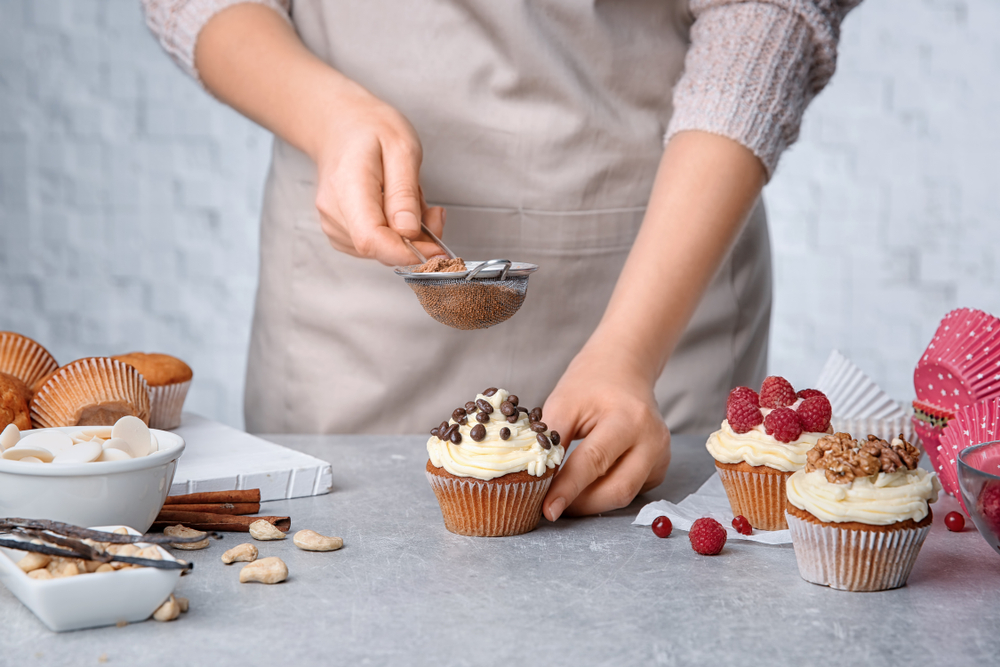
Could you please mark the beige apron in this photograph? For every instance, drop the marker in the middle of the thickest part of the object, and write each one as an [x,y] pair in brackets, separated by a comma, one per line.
[542,125]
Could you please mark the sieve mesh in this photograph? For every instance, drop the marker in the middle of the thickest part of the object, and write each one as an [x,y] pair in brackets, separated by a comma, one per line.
[472,304]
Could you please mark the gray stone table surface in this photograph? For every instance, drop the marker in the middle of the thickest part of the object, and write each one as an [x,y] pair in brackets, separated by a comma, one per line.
[583,591]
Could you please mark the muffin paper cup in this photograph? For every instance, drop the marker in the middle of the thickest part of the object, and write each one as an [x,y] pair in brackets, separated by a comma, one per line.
[24,358]
[885,428]
[960,364]
[166,403]
[91,391]
[855,560]
[477,508]
[853,394]
[973,425]
[760,497]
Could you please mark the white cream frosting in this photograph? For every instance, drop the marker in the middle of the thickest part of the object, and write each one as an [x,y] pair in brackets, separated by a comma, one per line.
[877,500]
[493,457]
[758,448]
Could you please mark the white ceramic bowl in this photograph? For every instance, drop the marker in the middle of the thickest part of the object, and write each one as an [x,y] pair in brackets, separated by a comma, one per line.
[128,493]
[90,600]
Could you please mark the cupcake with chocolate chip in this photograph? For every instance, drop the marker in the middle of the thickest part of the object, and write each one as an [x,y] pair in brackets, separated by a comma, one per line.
[491,464]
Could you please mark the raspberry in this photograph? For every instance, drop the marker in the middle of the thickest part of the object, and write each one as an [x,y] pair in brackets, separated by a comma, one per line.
[742,525]
[989,504]
[783,424]
[662,526]
[743,415]
[814,413]
[809,393]
[954,522]
[776,392]
[707,536]
[743,393]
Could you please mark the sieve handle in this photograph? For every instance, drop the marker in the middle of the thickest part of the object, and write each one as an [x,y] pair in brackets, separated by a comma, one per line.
[413,249]
[446,249]
[491,264]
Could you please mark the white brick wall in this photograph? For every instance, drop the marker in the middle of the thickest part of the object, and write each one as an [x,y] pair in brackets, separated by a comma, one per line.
[129,199]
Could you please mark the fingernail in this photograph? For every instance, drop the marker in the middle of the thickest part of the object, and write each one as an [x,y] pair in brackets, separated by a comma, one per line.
[444,215]
[404,221]
[556,508]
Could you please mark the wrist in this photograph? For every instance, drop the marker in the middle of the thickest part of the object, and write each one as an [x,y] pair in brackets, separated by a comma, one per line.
[619,350]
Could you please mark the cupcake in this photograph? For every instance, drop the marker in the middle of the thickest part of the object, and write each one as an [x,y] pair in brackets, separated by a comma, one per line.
[859,512]
[491,465]
[168,378]
[24,359]
[13,403]
[762,441]
[96,391]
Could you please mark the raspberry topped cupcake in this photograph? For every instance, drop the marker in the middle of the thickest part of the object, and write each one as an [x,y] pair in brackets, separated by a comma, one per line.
[859,512]
[762,441]
[491,465]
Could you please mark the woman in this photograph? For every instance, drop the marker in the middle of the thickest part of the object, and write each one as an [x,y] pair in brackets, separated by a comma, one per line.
[539,126]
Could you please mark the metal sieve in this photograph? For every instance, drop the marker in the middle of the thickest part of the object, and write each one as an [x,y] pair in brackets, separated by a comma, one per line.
[485,294]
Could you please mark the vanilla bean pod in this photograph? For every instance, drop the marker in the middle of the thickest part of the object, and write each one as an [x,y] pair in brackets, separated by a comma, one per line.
[9,524]
[21,545]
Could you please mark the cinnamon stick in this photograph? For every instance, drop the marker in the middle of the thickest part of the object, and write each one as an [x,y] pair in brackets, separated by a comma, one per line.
[220,522]
[233,496]
[215,508]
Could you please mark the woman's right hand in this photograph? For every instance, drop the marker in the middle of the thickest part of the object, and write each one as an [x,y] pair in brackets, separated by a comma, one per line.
[368,190]
[366,153]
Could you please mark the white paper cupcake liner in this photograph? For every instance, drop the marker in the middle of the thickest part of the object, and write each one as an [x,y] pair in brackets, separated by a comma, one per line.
[760,497]
[24,358]
[166,404]
[853,394]
[854,560]
[95,381]
[473,507]
[887,429]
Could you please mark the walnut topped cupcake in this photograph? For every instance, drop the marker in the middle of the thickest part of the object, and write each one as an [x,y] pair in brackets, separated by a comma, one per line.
[859,512]
[491,464]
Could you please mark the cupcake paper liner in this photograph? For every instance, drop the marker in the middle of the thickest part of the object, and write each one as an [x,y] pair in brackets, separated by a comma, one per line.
[961,365]
[24,358]
[91,382]
[760,497]
[973,425]
[855,560]
[853,394]
[477,508]
[166,403]
[885,428]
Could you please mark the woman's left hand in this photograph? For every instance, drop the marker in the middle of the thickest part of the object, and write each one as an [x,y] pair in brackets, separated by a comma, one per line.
[625,446]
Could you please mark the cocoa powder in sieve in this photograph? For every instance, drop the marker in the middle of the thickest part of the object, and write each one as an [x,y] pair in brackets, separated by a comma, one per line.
[468,305]
[441,265]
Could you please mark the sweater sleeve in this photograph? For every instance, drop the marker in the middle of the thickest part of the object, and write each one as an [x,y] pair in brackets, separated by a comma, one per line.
[753,67]
[177,23]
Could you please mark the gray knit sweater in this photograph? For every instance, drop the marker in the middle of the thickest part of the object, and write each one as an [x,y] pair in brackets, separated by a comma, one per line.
[751,70]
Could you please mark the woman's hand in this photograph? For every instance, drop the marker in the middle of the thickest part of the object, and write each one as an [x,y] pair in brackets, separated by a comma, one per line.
[367,154]
[625,448]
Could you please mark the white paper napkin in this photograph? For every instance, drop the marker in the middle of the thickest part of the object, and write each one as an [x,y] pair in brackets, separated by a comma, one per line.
[709,500]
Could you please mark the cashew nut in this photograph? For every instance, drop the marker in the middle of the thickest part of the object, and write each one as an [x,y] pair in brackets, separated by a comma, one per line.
[61,567]
[40,574]
[266,570]
[168,611]
[244,553]
[183,603]
[33,561]
[262,530]
[309,540]
[105,567]
[150,552]
[184,531]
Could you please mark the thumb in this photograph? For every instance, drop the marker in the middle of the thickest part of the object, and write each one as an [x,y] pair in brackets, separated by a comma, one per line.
[402,199]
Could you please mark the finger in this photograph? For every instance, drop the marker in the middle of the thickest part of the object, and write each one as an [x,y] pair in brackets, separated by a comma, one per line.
[434,219]
[618,487]
[360,206]
[592,458]
[402,200]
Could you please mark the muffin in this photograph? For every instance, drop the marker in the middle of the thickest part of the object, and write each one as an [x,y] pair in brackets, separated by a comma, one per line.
[13,403]
[24,359]
[168,378]
[96,391]
[762,441]
[859,512]
[491,465]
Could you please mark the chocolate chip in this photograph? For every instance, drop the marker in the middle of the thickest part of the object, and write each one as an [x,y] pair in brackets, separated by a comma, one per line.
[478,432]
[445,433]
[463,421]
[484,405]
[505,433]
[513,399]
[470,407]
[458,414]
[456,437]
[539,427]
[535,415]
[490,391]
[543,441]
[555,437]
[434,431]
[482,418]
[442,426]
[513,418]
[508,408]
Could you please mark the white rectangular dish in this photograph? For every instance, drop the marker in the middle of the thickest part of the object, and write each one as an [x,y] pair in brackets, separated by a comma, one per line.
[90,600]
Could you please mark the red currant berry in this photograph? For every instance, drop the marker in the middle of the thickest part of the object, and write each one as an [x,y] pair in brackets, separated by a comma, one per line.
[742,525]
[954,522]
[662,526]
